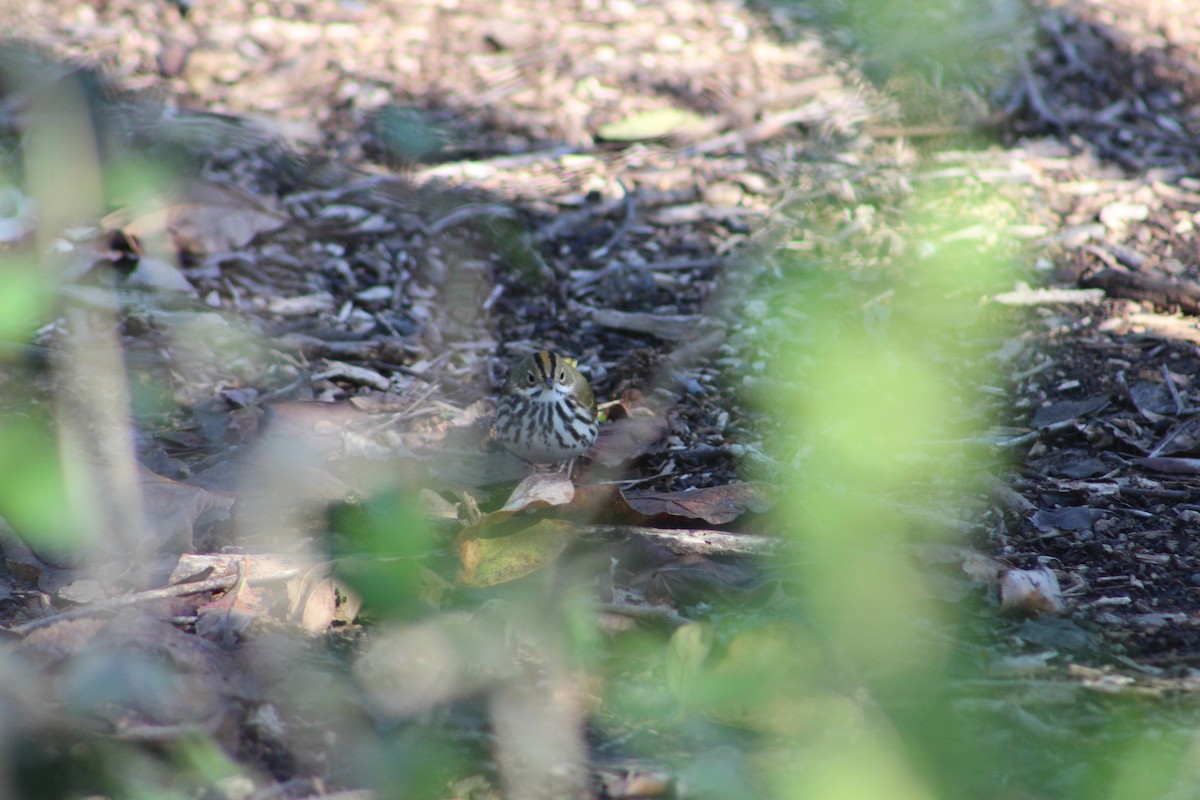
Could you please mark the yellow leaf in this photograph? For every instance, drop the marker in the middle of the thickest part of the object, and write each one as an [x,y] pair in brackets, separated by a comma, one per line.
[487,562]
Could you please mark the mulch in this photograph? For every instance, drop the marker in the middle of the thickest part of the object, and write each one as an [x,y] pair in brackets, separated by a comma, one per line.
[405,199]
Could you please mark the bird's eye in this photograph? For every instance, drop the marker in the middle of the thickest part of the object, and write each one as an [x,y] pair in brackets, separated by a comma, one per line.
[529,376]
[562,377]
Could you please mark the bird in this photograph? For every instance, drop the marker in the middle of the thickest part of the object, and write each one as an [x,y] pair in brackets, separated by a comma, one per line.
[547,411]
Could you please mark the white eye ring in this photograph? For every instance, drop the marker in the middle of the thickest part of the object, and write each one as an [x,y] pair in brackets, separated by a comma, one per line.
[532,378]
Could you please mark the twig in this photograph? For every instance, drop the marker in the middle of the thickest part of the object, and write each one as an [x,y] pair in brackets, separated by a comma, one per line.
[490,166]
[671,264]
[685,540]
[1173,389]
[1162,292]
[768,127]
[1053,23]
[284,391]
[1036,101]
[646,613]
[1032,436]
[622,228]
[464,213]
[100,606]
[564,224]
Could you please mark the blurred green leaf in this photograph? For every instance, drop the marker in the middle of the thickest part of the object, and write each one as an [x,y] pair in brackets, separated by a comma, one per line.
[379,544]
[22,298]
[687,651]
[206,759]
[33,493]
[404,135]
[870,766]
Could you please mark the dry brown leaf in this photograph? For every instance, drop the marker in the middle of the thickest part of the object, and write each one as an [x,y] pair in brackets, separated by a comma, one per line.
[641,783]
[1030,592]
[980,568]
[147,680]
[317,599]
[539,490]
[226,618]
[312,599]
[692,579]
[174,508]
[212,218]
[602,502]
[716,505]
[434,506]
[319,608]
[47,646]
[82,591]
[189,567]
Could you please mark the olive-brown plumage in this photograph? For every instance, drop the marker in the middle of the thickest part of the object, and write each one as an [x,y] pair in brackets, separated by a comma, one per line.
[547,412]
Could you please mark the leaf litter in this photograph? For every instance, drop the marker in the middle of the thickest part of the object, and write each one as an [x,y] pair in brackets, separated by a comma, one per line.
[364,280]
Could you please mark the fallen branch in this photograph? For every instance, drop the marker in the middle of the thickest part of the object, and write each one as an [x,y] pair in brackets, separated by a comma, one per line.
[112,604]
[683,540]
[622,228]
[1163,292]
[256,569]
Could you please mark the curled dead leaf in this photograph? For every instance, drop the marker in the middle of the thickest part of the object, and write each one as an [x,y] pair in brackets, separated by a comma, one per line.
[716,505]
[174,509]
[1030,592]
[313,599]
[211,218]
[539,490]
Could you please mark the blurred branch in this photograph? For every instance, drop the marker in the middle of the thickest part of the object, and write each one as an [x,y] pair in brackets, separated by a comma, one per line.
[679,540]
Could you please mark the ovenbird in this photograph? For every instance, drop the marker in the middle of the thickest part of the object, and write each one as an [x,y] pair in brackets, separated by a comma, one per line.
[547,412]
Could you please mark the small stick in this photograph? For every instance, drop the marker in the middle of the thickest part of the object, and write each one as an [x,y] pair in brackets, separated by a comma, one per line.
[112,604]
[644,613]
[622,228]
[1173,389]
